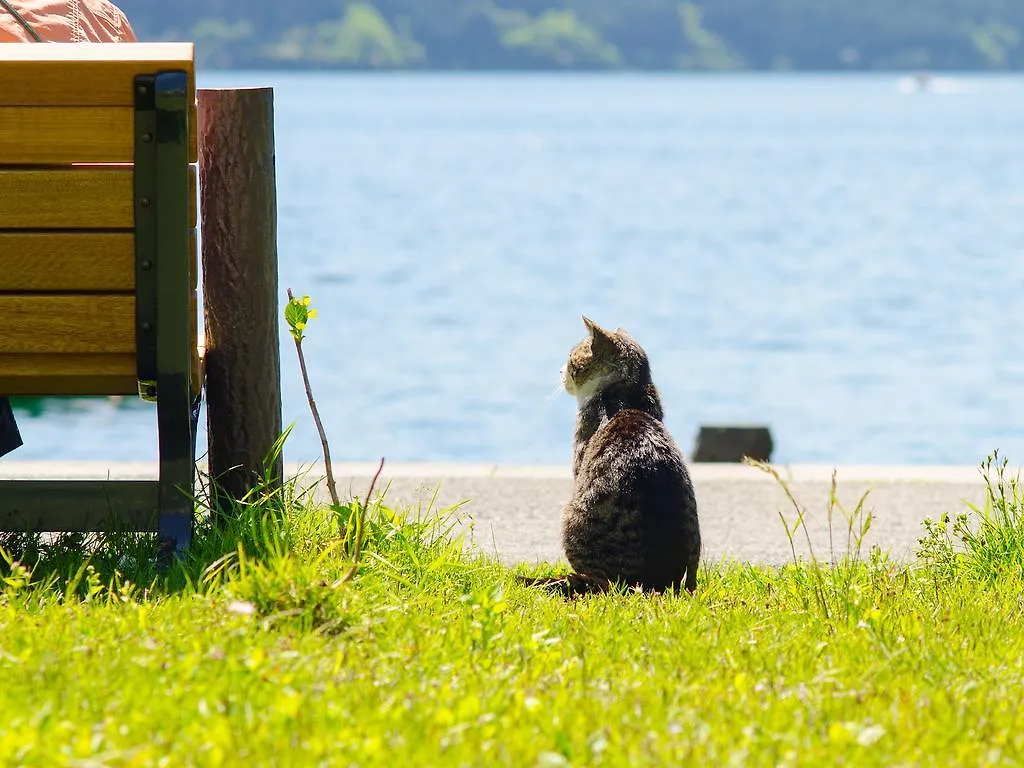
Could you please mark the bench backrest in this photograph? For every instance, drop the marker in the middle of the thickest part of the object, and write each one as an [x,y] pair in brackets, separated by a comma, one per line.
[97,216]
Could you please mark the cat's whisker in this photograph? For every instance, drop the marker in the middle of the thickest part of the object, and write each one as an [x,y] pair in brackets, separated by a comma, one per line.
[559,389]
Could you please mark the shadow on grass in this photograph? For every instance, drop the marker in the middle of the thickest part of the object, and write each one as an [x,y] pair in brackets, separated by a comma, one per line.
[277,549]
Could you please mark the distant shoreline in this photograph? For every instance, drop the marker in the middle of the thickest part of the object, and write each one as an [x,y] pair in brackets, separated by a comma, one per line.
[312,68]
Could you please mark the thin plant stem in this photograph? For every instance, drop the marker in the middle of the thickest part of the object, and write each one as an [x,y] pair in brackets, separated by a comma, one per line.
[357,549]
[332,489]
[832,501]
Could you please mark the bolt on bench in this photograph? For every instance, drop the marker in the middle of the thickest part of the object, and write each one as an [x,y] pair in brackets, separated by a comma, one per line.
[98,264]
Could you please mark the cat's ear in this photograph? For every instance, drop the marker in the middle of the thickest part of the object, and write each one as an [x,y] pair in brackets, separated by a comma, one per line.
[597,333]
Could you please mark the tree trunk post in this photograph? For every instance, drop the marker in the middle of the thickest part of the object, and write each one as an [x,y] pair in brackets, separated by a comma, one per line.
[240,289]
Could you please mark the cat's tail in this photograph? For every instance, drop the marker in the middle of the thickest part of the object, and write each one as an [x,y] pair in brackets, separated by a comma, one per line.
[691,574]
[571,585]
[579,584]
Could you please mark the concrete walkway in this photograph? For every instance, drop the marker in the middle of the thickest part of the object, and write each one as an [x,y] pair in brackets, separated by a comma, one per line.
[515,510]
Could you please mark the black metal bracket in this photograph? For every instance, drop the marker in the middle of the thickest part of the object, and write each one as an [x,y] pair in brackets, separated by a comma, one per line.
[146,190]
[162,255]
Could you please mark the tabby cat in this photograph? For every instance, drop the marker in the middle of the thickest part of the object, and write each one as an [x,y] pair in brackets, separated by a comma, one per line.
[632,518]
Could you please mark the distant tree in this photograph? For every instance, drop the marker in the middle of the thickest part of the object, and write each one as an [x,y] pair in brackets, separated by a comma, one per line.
[704,49]
[220,42]
[996,42]
[360,38]
[647,33]
[557,38]
[560,34]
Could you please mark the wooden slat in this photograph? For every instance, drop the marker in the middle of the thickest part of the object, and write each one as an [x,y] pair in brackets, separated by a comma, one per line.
[78,344]
[71,386]
[86,197]
[64,135]
[73,261]
[33,323]
[66,199]
[85,74]
[80,374]
[78,505]
[67,261]
[27,364]
[64,374]
[58,135]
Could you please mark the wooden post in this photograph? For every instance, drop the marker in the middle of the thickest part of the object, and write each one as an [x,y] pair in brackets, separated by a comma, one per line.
[240,288]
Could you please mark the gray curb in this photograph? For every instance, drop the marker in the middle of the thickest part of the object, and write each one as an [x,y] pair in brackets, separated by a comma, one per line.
[514,510]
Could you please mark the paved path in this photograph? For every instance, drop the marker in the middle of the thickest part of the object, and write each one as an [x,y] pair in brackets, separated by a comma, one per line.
[515,509]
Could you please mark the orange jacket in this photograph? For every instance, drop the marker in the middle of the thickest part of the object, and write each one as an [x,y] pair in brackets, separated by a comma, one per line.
[66,21]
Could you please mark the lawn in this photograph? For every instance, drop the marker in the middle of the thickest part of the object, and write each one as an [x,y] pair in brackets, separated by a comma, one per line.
[260,651]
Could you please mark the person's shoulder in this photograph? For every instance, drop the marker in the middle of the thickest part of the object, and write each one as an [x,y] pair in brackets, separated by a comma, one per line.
[67,21]
[108,22]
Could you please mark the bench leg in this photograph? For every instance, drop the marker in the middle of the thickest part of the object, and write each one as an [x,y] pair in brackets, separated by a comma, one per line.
[177,419]
[163,292]
[177,477]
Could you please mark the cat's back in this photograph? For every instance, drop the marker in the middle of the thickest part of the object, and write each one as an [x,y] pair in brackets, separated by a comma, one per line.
[633,515]
[629,452]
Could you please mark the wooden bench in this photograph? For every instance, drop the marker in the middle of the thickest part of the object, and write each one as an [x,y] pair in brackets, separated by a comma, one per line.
[98,264]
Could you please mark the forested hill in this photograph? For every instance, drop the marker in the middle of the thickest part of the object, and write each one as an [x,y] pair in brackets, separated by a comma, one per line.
[594,34]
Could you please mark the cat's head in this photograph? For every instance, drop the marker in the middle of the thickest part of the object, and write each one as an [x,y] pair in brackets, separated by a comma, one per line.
[603,359]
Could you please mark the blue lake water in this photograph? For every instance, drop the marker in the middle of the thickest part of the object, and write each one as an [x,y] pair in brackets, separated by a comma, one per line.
[831,255]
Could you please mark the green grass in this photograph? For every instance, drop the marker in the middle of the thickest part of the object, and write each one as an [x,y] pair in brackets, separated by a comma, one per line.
[256,652]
